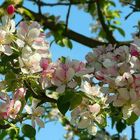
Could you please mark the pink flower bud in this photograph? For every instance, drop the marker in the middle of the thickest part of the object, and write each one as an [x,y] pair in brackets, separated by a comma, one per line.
[10,9]
[44,63]
[134,52]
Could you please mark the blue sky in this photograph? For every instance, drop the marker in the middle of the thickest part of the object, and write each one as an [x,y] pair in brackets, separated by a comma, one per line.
[80,21]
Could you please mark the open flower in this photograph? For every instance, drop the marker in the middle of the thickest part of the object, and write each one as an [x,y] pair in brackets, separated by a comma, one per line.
[6,35]
[29,61]
[35,113]
[89,89]
[20,93]
[28,32]
[13,108]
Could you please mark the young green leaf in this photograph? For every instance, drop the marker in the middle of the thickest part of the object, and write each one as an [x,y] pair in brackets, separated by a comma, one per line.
[28,131]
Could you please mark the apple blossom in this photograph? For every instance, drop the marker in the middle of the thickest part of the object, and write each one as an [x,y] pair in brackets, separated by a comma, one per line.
[13,108]
[35,113]
[20,93]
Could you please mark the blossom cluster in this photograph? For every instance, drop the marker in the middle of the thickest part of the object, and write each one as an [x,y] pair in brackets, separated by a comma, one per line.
[62,74]
[116,68]
[28,41]
[119,67]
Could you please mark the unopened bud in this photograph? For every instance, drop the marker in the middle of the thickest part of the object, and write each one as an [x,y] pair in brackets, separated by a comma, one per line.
[10,9]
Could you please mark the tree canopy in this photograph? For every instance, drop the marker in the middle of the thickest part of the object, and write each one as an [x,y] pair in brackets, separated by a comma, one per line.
[35,88]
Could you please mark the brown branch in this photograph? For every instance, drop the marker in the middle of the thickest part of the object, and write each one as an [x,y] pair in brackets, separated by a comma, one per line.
[6,126]
[39,7]
[61,3]
[53,26]
[67,17]
[47,23]
[133,132]
[89,42]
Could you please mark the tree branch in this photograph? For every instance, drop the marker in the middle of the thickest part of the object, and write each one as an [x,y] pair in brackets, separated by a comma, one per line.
[109,34]
[13,121]
[133,132]
[61,3]
[39,7]
[67,17]
[47,23]
[53,26]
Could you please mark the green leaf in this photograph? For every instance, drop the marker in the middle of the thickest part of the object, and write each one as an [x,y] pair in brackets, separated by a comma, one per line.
[12,133]
[120,126]
[121,31]
[28,131]
[75,101]
[117,22]
[132,119]
[63,59]
[11,81]
[112,122]
[137,3]
[68,101]
[26,12]
[60,43]
[67,43]
[3,134]
[112,3]
[63,104]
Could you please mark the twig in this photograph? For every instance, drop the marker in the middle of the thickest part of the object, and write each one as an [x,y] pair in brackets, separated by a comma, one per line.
[133,11]
[109,34]
[133,132]
[39,7]
[13,122]
[61,4]
[89,42]
[67,17]
[53,26]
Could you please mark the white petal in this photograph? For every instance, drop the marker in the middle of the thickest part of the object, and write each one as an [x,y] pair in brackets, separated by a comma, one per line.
[33,122]
[35,102]
[7,50]
[12,29]
[70,74]
[133,95]
[40,122]
[33,33]
[119,102]
[95,109]
[126,112]
[92,130]
[61,89]
[20,43]
[28,109]
[17,106]
[124,93]
[84,123]
[108,63]
[4,20]
[72,84]
[39,110]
